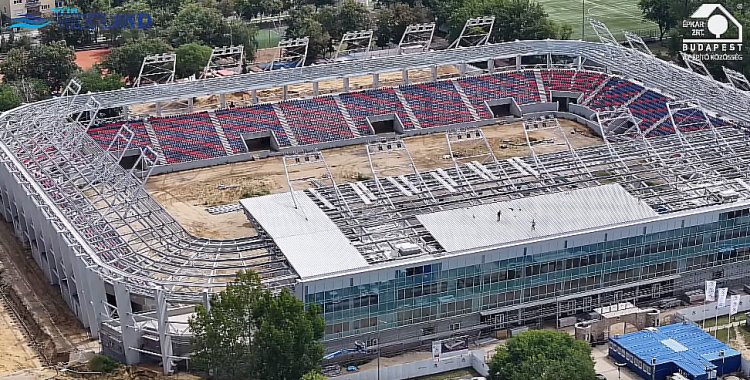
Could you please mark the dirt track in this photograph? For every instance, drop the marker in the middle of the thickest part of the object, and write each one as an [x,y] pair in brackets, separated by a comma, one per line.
[186,194]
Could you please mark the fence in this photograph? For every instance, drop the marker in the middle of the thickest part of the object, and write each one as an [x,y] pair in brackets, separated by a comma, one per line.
[456,360]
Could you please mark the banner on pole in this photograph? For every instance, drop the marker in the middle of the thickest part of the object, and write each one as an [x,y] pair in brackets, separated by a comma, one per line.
[710,291]
[722,297]
[734,304]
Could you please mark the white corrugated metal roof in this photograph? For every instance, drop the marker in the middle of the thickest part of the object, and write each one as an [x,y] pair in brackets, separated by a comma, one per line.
[534,217]
[311,242]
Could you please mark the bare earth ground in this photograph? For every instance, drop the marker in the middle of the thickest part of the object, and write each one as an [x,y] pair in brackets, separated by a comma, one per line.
[186,194]
[15,352]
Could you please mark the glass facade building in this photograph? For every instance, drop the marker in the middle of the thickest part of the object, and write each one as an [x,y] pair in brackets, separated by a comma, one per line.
[441,297]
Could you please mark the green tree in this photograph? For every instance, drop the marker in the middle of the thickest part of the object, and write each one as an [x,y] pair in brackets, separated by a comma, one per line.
[197,23]
[393,20]
[243,33]
[94,81]
[250,9]
[31,90]
[127,59]
[248,333]
[191,59]
[349,16]
[302,22]
[663,12]
[542,355]
[9,98]
[514,19]
[53,63]
[314,375]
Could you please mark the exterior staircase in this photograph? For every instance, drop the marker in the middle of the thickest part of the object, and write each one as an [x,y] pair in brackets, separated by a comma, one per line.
[220,133]
[540,86]
[595,92]
[152,137]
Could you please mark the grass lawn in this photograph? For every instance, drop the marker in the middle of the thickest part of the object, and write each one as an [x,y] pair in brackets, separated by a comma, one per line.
[267,38]
[723,320]
[619,15]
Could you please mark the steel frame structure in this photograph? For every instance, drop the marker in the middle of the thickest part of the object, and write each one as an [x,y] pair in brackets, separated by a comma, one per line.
[636,42]
[476,32]
[695,64]
[293,51]
[416,38]
[95,224]
[552,124]
[736,79]
[225,58]
[309,160]
[354,42]
[468,149]
[157,69]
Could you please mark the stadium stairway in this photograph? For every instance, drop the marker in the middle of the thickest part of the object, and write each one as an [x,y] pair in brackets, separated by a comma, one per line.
[631,100]
[540,85]
[407,108]
[220,133]
[650,129]
[347,117]
[153,138]
[285,125]
[594,93]
[465,99]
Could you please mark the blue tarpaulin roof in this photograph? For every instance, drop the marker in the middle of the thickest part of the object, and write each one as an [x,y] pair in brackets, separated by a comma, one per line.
[686,345]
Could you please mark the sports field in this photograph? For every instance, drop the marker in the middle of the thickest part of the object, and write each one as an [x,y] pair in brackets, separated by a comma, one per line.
[619,15]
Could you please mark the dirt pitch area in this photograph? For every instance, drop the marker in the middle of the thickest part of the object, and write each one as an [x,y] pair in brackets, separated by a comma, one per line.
[15,352]
[186,195]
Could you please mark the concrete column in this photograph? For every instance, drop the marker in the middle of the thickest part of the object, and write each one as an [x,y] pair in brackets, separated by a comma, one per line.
[518,62]
[316,88]
[376,80]
[165,340]
[97,297]
[462,69]
[405,76]
[190,104]
[254,96]
[549,60]
[285,92]
[125,111]
[434,72]
[158,108]
[130,336]
[206,300]
[346,84]
[223,100]
[491,66]
[579,62]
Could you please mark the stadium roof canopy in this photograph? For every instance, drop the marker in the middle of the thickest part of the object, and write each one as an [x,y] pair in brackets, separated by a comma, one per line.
[311,242]
[533,217]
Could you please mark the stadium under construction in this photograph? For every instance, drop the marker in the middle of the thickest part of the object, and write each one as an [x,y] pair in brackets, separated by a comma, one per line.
[397,262]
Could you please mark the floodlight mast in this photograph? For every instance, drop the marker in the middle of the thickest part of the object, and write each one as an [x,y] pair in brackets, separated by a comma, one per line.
[476,32]
[736,79]
[157,69]
[354,42]
[224,58]
[416,38]
[292,51]
[695,64]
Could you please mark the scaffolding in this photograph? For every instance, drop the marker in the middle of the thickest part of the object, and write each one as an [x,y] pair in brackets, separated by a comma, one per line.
[157,69]
[292,53]
[354,42]
[476,32]
[416,38]
[225,58]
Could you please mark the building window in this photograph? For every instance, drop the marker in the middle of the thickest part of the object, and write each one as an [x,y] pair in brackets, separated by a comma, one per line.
[455,326]
[17,1]
[428,331]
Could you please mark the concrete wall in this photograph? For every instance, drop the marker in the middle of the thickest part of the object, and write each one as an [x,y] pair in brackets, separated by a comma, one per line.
[450,362]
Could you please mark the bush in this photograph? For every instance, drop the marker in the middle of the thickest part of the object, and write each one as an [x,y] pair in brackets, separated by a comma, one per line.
[104,364]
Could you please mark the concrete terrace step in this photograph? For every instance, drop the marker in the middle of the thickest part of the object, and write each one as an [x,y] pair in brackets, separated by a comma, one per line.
[285,125]
[408,109]
[347,117]
[465,99]
[220,133]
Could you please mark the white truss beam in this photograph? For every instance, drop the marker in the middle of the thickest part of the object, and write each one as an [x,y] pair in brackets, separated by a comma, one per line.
[602,31]
[636,42]
[736,79]
[157,69]
[416,38]
[695,65]
[476,32]
[354,42]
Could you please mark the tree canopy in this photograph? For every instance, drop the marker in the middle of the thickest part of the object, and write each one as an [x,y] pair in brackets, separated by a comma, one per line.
[94,81]
[127,59]
[542,355]
[191,59]
[9,98]
[303,22]
[249,333]
[53,63]
[662,12]
[393,20]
